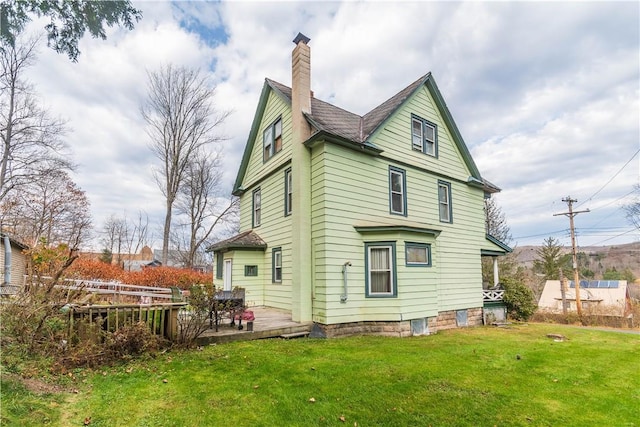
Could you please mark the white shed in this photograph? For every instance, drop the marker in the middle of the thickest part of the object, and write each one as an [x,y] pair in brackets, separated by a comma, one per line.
[605,297]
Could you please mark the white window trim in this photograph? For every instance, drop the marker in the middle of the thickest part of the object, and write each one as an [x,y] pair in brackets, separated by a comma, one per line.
[257,208]
[427,249]
[288,192]
[447,203]
[403,193]
[276,261]
[392,273]
[425,142]
[269,138]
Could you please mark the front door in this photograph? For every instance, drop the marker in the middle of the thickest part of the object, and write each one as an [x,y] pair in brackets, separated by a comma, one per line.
[226,276]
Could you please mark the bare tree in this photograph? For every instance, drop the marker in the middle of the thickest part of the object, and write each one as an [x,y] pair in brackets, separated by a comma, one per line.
[114,232]
[138,236]
[496,221]
[31,138]
[50,209]
[632,210]
[181,120]
[496,226]
[122,235]
[199,203]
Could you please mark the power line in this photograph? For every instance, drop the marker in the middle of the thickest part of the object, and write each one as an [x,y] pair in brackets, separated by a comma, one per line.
[550,233]
[611,179]
[610,238]
[612,202]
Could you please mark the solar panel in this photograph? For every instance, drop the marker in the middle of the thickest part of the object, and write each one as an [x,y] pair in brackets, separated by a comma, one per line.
[593,284]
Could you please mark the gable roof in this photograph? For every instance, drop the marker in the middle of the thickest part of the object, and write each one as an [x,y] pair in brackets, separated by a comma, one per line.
[328,119]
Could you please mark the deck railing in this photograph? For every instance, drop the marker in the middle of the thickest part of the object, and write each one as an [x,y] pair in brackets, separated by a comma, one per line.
[492,295]
[145,294]
[161,319]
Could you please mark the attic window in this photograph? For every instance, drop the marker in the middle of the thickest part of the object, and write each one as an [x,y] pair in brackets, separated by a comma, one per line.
[423,136]
[272,139]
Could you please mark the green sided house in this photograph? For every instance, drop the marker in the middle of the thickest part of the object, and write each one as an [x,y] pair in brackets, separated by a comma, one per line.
[371,222]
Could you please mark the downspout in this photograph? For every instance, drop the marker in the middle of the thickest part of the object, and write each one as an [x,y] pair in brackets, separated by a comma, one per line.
[7,261]
[343,297]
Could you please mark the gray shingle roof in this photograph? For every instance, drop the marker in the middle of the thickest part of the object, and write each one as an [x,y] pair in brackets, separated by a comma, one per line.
[245,240]
[335,120]
[375,117]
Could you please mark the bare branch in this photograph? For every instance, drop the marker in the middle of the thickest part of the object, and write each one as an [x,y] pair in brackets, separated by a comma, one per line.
[181,122]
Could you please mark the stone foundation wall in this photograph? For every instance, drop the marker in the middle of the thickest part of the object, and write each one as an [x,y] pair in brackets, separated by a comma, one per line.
[444,320]
[390,329]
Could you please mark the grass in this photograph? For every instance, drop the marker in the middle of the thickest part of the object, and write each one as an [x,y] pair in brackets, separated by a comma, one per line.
[475,377]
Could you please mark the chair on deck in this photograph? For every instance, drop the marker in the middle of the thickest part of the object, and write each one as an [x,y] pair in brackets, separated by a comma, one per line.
[176,294]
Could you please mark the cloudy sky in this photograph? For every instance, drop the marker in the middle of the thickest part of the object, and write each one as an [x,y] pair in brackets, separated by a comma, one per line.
[545,94]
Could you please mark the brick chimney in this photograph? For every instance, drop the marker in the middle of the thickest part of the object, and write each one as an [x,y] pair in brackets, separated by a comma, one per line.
[301,82]
[301,259]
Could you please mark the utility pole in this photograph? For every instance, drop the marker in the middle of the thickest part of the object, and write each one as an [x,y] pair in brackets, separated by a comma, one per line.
[569,201]
[563,291]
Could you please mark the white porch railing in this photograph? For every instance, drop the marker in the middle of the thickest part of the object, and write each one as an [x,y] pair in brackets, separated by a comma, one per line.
[490,295]
[145,293]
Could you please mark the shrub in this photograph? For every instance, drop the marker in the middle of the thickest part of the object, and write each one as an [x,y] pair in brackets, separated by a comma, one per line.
[163,277]
[106,348]
[89,269]
[519,299]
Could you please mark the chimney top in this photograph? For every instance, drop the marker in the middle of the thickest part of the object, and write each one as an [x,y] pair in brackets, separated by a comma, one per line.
[301,38]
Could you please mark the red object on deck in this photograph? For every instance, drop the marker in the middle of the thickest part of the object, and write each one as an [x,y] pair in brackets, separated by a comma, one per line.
[246,315]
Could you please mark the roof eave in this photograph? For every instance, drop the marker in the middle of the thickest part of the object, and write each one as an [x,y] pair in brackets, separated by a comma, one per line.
[506,248]
[453,128]
[323,135]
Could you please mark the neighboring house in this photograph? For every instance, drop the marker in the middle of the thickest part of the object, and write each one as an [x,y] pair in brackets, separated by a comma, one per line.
[349,221]
[127,261]
[604,297]
[13,264]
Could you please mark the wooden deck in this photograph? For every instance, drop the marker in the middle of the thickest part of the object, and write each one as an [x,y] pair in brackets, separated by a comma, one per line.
[269,323]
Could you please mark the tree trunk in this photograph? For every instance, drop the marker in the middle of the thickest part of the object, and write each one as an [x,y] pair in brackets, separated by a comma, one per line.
[166,232]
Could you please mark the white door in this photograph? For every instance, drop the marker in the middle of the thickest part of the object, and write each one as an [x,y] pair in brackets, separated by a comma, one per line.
[226,276]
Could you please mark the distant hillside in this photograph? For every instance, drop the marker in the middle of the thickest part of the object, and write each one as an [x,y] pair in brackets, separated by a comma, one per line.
[600,258]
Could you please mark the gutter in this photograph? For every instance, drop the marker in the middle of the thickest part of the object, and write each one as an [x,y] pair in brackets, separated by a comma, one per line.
[7,261]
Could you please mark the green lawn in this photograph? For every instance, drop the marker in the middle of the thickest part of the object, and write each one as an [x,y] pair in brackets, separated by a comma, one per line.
[476,377]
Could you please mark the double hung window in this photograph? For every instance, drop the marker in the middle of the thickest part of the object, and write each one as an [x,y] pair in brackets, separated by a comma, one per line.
[380,269]
[257,208]
[424,136]
[272,140]
[276,265]
[444,201]
[397,191]
[288,192]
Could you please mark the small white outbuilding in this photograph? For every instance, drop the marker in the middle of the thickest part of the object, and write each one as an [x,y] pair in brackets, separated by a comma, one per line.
[604,297]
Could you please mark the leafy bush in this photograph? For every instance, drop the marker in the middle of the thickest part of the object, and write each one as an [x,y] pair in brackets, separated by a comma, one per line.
[163,277]
[105,348]
[519,299]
